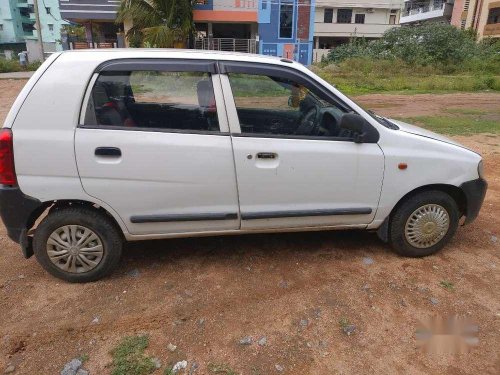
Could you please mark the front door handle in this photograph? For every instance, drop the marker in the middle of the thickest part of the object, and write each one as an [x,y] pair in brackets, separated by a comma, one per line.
[266,155]
[108,151]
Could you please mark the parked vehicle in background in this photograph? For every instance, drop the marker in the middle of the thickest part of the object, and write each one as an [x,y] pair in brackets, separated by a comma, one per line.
[119,145]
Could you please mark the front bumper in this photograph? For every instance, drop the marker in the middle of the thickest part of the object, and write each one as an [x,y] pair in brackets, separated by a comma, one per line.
[474,191]
[19,212]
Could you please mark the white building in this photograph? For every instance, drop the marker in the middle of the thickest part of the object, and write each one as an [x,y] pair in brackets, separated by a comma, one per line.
[418,11]
[337,21]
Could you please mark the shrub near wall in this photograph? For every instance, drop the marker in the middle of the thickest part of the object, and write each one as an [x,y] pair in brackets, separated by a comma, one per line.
[7,66]
[431,57]
[428,44]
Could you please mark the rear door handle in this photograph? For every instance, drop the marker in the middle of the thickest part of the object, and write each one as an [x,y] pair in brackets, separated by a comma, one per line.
[266,155]
[108,151]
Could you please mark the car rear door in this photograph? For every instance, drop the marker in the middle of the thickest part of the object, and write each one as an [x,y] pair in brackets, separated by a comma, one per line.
[289,176]
[153,143]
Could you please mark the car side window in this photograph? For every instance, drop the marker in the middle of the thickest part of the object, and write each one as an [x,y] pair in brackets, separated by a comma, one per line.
[275,106]
[182,101]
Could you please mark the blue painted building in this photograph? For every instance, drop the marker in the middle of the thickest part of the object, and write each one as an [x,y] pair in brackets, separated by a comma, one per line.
[286,28]
[271,27]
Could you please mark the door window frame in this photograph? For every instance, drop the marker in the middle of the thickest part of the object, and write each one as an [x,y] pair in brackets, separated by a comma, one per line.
[161,65]
[228,67]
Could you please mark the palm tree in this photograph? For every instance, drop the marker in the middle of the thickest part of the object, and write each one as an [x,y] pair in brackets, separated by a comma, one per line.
[160,23]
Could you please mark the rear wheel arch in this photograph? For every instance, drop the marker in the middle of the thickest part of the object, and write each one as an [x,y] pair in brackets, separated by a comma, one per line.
[78,243]
[41,211]
[93,206]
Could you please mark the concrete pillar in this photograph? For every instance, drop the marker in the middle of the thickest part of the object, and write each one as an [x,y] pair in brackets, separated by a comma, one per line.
[64,41]
[100,35]
[210,30]
[88,32]
[120,40]
[316,42]
[253,31]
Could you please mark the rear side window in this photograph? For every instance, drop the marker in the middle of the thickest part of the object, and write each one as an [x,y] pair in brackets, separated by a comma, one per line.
[182,101]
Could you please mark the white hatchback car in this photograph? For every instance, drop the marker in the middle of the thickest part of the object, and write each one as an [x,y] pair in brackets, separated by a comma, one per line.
[119,145]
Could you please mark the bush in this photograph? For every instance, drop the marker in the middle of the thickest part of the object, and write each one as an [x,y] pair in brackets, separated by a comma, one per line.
[444,47]
[7,66]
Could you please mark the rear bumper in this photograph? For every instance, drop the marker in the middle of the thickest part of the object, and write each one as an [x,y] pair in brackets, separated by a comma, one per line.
[18,212]
[474,191]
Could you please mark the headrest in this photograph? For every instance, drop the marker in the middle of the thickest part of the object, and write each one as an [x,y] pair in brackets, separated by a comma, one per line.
[206,98]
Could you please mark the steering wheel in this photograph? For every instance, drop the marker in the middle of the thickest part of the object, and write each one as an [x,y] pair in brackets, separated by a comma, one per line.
[309,124]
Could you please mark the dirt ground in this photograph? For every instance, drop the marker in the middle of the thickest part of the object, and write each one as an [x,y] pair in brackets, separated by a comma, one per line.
[205,294]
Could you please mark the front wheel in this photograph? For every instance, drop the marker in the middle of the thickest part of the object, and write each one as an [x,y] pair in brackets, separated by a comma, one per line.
[424,224]
[77,244]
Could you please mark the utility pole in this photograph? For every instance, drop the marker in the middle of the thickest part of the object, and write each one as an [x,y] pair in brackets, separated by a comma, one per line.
[39,29]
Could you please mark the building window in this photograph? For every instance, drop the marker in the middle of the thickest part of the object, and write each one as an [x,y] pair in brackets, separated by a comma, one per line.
[328,18]
[264,4]
[394,11]
[28,27]
[493,16]
[1,27]
[286,20]
[47,9]
[392,19]
[51,27]
[344,15]
[359,18]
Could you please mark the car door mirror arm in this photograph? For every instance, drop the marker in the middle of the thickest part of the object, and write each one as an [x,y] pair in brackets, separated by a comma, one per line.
[362,130]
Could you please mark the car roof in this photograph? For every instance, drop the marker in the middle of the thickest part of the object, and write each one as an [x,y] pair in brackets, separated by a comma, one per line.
[114,53]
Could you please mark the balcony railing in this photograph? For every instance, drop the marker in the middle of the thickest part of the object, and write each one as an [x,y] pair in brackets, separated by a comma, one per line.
[436,5]
[90,45]
[226,44]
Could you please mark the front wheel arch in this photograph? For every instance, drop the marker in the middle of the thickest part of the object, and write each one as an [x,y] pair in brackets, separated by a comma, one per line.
[453,191]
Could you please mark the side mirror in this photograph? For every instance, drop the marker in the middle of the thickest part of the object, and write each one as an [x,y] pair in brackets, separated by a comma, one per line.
[361,129]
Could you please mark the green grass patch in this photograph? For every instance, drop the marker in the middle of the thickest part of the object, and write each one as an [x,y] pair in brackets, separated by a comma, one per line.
[464,111]
[129,357]
[7,66]
[447,285]
[455,125]
[344,322]
[221,368]
[359,76]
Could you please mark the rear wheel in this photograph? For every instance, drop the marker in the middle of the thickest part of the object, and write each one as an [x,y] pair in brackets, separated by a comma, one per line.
[77,244]
[424,223]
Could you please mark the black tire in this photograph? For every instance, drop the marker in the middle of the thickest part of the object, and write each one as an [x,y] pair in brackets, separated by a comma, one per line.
[92,219]
[400,217]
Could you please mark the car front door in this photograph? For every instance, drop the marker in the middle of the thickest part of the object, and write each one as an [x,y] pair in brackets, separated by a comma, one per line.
[295,166]
[154,145]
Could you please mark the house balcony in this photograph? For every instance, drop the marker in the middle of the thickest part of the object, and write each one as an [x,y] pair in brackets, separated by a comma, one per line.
[351,29]
[492,30]
[227,44]
[433,10]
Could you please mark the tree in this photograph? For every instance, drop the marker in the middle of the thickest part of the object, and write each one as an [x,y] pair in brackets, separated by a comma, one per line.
[159,23]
